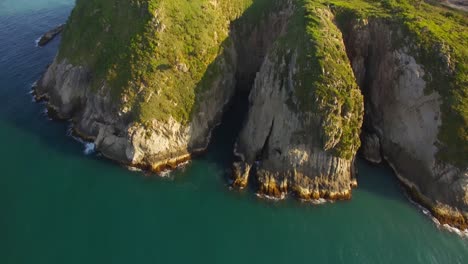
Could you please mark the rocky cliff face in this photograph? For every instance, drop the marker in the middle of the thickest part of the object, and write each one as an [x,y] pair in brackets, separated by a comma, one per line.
[282,146]
[147,81]
[406,118]
[155,146]
[285,148]
[162,139]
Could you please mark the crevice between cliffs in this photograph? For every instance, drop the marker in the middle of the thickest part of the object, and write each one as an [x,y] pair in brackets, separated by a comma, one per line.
[252,42]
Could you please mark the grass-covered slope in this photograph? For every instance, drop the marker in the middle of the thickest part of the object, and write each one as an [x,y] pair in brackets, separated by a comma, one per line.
[324,82]
[153,54]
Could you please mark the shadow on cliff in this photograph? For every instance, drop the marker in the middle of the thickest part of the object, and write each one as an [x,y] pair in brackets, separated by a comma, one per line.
[252,35]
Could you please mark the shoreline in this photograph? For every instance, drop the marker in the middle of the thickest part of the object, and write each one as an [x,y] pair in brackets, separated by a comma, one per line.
[451,223]
[457,222]
[158,168]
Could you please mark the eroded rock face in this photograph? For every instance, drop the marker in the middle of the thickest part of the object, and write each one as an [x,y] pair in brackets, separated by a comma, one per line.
[240,171]
[285,144]
[406,118]
[156,146]
[282,147]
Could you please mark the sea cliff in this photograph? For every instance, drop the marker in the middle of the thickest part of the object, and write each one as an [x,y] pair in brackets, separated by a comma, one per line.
[148,81]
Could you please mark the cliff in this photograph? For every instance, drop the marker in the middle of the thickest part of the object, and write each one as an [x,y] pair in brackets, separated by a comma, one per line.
[147,81]
[411,105]
[302,130]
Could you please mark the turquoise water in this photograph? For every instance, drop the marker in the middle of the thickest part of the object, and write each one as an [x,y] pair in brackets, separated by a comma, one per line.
[58,205]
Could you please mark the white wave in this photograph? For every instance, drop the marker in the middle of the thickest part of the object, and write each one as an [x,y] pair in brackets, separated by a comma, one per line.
[180,167]
[36,42]
[31,92]
[446,227]
[165,174]
[89,148]
[425,211]
[319,201]
[462,233]
[268,197]
[130,168]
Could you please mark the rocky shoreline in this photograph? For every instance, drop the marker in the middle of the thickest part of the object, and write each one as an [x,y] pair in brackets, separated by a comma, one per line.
[305,117]
[54,113]
[270,189]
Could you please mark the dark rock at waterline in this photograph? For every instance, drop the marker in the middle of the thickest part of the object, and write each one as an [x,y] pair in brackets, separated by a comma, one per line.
[50,35]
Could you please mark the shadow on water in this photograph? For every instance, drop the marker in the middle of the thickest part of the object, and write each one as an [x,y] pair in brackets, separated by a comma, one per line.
[225,135]
[379,179]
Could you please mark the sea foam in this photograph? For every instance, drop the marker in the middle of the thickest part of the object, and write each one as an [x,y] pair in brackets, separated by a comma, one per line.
[89,148]
[446,227]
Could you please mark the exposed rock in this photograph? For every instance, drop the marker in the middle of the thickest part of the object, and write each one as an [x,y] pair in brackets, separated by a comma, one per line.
[50,35]
[157,146]
[407,120]
[458,4]
[301,133]
[291,157]
[240,171]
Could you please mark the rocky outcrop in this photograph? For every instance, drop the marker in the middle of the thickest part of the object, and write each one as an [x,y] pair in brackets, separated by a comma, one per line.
[287,146]
[241,172]
[150,95]
[155,146]
[274,136]
[50,35]
[406,118]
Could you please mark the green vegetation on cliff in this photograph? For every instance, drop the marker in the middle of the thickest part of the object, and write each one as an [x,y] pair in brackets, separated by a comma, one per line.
[324,82]
[155,55]
[158,56]
[438,38]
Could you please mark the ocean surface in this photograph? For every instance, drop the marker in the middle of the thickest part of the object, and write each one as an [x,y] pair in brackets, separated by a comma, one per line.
[61,205]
